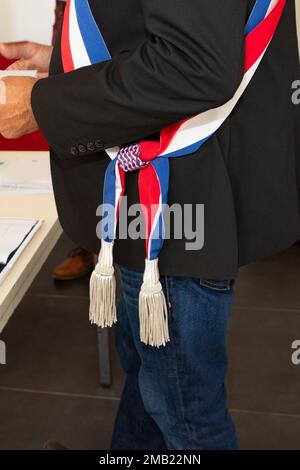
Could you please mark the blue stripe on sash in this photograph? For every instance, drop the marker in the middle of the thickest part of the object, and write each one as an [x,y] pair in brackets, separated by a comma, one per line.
[109,199]
[91,35]
[258,14]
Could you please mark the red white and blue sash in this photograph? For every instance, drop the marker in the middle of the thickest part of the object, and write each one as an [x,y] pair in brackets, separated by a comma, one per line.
[82,45]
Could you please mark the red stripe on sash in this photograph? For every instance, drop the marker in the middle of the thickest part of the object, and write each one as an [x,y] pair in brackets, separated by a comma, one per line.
[150,149]
[66,54]
[257,41]
[149,192]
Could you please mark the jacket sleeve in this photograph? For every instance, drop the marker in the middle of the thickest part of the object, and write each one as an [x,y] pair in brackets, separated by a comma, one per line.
[192,60]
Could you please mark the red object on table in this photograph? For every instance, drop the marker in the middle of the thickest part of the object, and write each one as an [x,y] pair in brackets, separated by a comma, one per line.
[35,141]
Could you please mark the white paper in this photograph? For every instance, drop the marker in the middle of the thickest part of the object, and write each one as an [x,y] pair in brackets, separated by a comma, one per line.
[25,173]
[32,223]
[12,233]
[17,73]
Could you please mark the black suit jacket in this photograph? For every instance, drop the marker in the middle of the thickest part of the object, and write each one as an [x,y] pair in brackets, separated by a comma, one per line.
[173,59]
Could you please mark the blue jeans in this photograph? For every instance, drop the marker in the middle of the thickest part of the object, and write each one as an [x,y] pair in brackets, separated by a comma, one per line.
[174,397]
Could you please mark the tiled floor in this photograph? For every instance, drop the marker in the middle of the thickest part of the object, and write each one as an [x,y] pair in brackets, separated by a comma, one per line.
[50,386]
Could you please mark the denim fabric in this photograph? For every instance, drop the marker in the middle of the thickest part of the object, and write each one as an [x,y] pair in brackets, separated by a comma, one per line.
[174,397]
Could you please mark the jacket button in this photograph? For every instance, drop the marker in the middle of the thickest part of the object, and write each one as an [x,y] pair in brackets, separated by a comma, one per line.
[82,148]
[74,151]
[99,144]
[91,146]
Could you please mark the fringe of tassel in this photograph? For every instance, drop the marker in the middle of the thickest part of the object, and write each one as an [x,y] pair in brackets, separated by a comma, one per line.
[153,310]
[103,310]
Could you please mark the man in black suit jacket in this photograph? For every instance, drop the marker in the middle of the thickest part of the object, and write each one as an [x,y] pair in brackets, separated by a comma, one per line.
[171,60]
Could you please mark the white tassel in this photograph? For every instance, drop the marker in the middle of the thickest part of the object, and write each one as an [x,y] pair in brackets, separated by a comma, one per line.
[103,311]
[153,310]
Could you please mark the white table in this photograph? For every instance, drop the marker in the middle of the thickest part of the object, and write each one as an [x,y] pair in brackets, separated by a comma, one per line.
[19,279]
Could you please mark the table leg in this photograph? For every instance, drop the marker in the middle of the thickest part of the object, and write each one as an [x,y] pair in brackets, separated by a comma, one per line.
[104,357]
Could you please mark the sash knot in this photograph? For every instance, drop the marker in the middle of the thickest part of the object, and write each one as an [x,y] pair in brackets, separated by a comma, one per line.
[129,158]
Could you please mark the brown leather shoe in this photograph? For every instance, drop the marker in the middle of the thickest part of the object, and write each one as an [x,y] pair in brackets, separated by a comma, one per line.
[53,445]
[79,263]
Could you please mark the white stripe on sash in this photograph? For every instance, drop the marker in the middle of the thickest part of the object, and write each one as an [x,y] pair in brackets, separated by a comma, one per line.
[271,6]
[78,50]
[205,124]
[155,222]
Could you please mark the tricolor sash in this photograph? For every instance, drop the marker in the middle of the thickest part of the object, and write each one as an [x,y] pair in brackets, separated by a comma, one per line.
[82,45]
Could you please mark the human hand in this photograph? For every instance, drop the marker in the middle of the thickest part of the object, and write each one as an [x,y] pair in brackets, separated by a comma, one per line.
[30,55]
[16,116]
